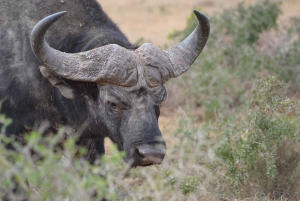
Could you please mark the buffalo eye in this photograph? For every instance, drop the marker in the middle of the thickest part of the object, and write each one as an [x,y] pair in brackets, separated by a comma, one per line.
[112,105]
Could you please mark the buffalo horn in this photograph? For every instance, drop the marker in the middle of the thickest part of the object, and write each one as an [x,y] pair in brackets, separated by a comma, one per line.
[185,53]
[101,65]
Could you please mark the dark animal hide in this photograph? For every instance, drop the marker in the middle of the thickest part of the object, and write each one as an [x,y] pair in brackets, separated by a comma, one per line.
[107,87]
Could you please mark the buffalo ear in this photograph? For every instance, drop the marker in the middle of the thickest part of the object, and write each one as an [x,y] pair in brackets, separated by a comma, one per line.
[65,89]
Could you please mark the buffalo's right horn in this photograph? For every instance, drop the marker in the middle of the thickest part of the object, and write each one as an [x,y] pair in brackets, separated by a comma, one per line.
[102,65]
[185,53]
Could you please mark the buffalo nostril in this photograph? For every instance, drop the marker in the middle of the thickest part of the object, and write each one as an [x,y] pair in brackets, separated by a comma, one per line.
[151,155]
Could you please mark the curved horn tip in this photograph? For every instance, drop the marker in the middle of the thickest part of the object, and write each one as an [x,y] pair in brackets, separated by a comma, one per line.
[201,15]
[39,30]
[45,23]
[56,15]
[52,18]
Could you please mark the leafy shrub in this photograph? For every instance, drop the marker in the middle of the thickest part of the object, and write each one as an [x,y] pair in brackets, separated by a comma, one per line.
[51,173]
[262,153]
[256,152]
[40,171]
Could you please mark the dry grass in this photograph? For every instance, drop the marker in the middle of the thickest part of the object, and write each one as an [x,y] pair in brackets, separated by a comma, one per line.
[153,20]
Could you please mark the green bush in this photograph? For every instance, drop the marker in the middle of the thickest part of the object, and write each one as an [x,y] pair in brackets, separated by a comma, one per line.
[252,154]
[262,152]
[251,126]
[40,171]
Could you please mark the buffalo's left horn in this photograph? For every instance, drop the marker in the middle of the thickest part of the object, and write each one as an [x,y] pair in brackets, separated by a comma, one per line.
[100,65]
[185,53]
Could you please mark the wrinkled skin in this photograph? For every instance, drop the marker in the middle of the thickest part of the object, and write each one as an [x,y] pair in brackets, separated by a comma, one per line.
[128,116]
[131,115]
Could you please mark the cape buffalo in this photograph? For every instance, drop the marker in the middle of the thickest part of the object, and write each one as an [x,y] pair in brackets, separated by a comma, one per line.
[82,72]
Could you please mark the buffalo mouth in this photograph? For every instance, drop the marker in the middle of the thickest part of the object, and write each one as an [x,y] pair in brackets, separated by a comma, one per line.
[148,155]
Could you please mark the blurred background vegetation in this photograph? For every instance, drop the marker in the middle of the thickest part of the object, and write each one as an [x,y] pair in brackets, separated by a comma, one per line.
[236,113]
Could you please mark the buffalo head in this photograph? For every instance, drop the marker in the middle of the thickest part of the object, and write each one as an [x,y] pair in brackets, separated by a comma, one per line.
[129,82]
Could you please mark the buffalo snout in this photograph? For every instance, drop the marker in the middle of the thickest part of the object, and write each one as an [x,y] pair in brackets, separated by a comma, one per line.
[148,154]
